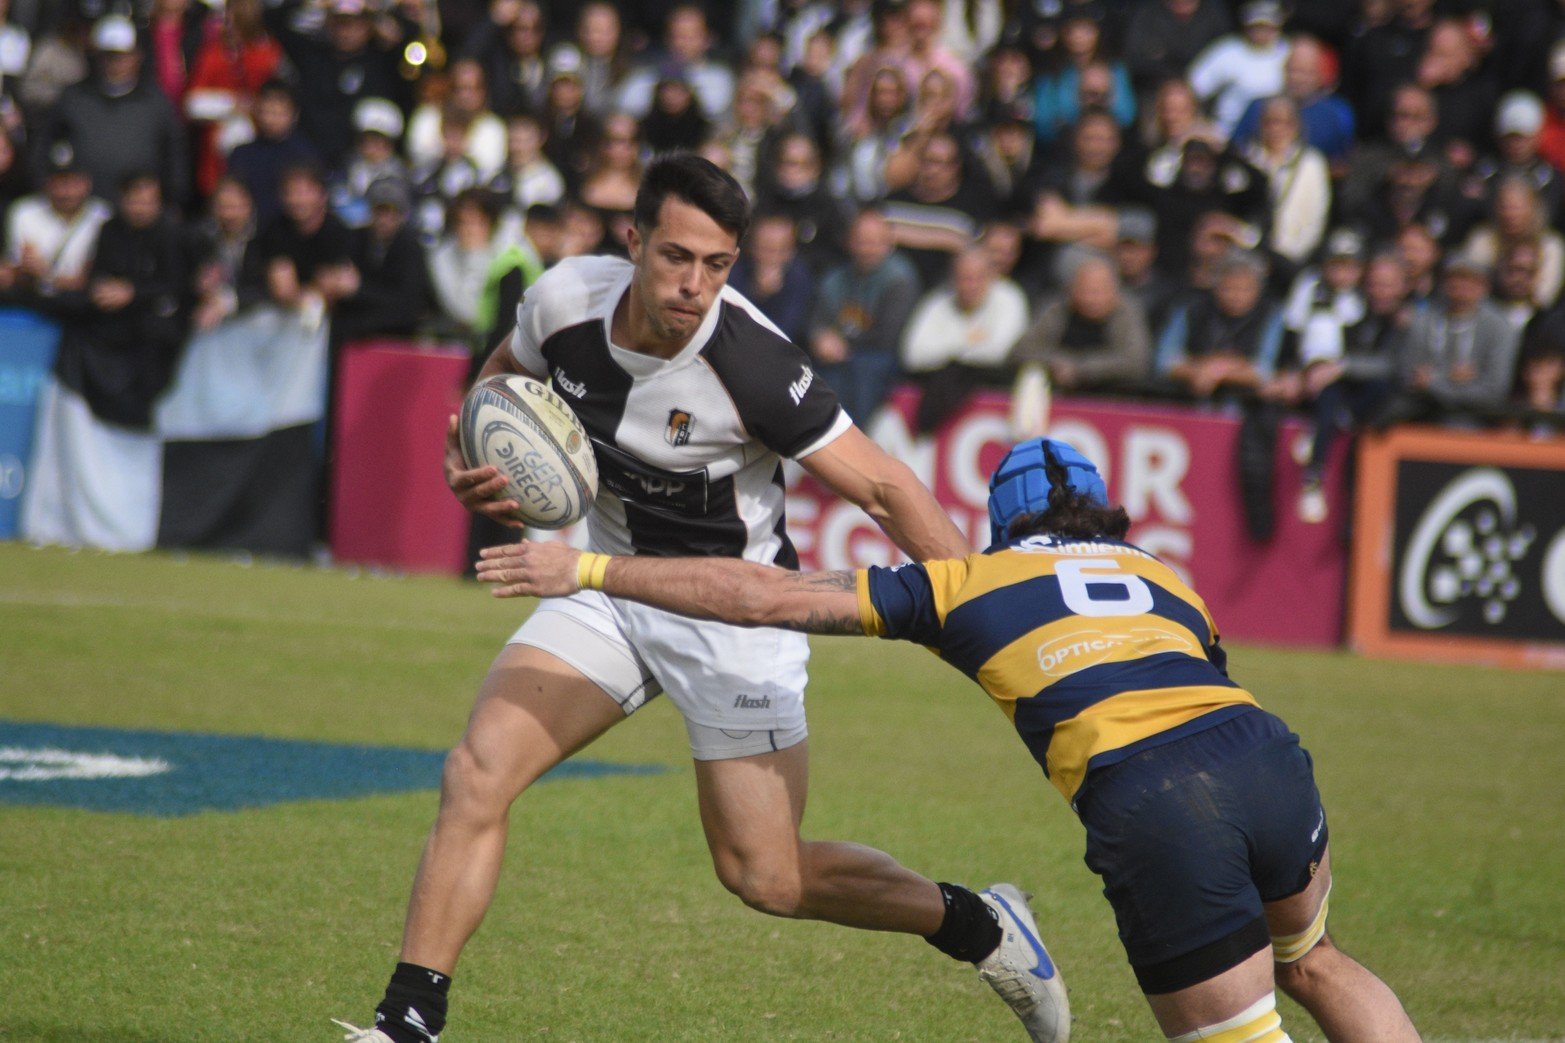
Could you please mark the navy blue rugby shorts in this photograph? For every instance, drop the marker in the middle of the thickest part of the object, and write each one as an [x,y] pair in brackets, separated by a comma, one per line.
[1193,836]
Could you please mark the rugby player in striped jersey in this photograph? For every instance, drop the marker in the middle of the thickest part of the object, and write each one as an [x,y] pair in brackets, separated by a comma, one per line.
[1201,810]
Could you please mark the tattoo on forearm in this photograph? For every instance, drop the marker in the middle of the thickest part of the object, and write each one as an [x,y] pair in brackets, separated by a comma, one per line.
[825,581]
[819,622]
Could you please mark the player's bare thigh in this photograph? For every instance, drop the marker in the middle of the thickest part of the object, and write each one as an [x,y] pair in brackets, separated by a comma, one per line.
[1216,999]
[751,808]
[533,711]
[1296,913]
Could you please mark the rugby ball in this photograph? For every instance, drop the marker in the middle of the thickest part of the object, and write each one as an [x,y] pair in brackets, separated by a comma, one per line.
[525,430]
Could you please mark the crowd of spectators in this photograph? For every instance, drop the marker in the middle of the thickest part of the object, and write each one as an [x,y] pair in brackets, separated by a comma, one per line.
[1351,209]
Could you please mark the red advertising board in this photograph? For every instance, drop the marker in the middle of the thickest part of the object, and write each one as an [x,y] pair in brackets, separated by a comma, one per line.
[1175,470]
[389,502]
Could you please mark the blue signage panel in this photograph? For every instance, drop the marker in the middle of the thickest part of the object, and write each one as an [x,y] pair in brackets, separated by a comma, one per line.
[27,347]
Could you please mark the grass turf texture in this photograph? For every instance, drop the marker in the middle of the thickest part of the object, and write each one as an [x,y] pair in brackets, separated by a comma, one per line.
[1447,814]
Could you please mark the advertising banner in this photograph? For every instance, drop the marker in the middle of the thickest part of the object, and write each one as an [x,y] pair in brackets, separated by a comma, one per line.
[1175,470]
[1460,548]
[389,502]
[27,346]
[240,468]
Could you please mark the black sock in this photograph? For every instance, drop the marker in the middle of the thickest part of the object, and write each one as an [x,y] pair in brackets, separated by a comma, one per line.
[970,930]
[414,1010]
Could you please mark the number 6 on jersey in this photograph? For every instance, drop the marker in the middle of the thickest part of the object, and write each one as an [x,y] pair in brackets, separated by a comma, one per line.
[1104,592]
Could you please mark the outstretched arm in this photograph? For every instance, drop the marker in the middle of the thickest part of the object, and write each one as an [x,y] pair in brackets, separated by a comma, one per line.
[723,589]
[886,489]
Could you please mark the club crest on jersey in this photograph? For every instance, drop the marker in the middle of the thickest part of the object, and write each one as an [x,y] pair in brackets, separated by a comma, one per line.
[680,423]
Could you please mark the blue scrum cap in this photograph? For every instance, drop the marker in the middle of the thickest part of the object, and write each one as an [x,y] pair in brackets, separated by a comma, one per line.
[1021,483]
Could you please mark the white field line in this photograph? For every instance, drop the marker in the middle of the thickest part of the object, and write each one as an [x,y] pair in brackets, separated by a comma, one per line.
[229,613]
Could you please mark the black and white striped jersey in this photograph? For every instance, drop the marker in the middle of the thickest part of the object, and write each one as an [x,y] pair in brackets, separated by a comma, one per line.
[688,448]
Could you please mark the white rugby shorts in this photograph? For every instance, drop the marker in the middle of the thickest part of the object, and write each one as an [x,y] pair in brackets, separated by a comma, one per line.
[740,690]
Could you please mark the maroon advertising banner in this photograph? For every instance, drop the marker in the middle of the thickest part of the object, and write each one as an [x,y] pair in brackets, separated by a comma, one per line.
[1175,470]
[389,503]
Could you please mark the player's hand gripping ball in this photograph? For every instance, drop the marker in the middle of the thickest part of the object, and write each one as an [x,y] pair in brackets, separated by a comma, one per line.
[526,431]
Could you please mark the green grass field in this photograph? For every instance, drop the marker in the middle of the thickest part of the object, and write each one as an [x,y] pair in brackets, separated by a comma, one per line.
[1443,784]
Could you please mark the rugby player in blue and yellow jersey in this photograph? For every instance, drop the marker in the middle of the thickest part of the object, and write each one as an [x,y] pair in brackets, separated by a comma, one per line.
[1201,810]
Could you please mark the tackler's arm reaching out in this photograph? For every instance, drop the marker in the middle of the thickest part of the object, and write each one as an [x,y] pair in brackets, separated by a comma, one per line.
[723,589]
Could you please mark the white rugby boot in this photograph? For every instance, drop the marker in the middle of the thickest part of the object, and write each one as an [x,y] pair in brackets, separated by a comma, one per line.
[358,1035]
[1022,972]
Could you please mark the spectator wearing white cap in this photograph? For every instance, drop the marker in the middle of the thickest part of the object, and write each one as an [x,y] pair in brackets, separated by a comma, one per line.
[116,122]
[50,235]
[1241,67]
[379,125]
[1518,124]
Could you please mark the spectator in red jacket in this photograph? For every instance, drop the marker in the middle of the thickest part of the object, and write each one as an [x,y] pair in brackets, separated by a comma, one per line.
[236,58]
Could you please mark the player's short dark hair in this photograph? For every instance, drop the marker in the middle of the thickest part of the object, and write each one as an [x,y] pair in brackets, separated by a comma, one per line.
[1074,516]
[694,180]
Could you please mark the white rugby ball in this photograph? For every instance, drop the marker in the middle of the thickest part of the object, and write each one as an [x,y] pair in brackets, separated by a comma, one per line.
[524,429]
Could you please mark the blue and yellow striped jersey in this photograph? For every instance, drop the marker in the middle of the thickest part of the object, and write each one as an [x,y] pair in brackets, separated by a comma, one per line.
[1093,648]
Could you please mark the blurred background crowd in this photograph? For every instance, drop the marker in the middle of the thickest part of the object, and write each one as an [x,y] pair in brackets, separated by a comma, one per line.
[1350,209]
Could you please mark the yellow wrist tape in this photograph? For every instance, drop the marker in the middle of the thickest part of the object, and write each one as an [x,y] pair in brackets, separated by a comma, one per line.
[590,570]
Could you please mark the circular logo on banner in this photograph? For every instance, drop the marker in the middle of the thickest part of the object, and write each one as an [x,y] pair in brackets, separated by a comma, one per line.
[1464,546]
